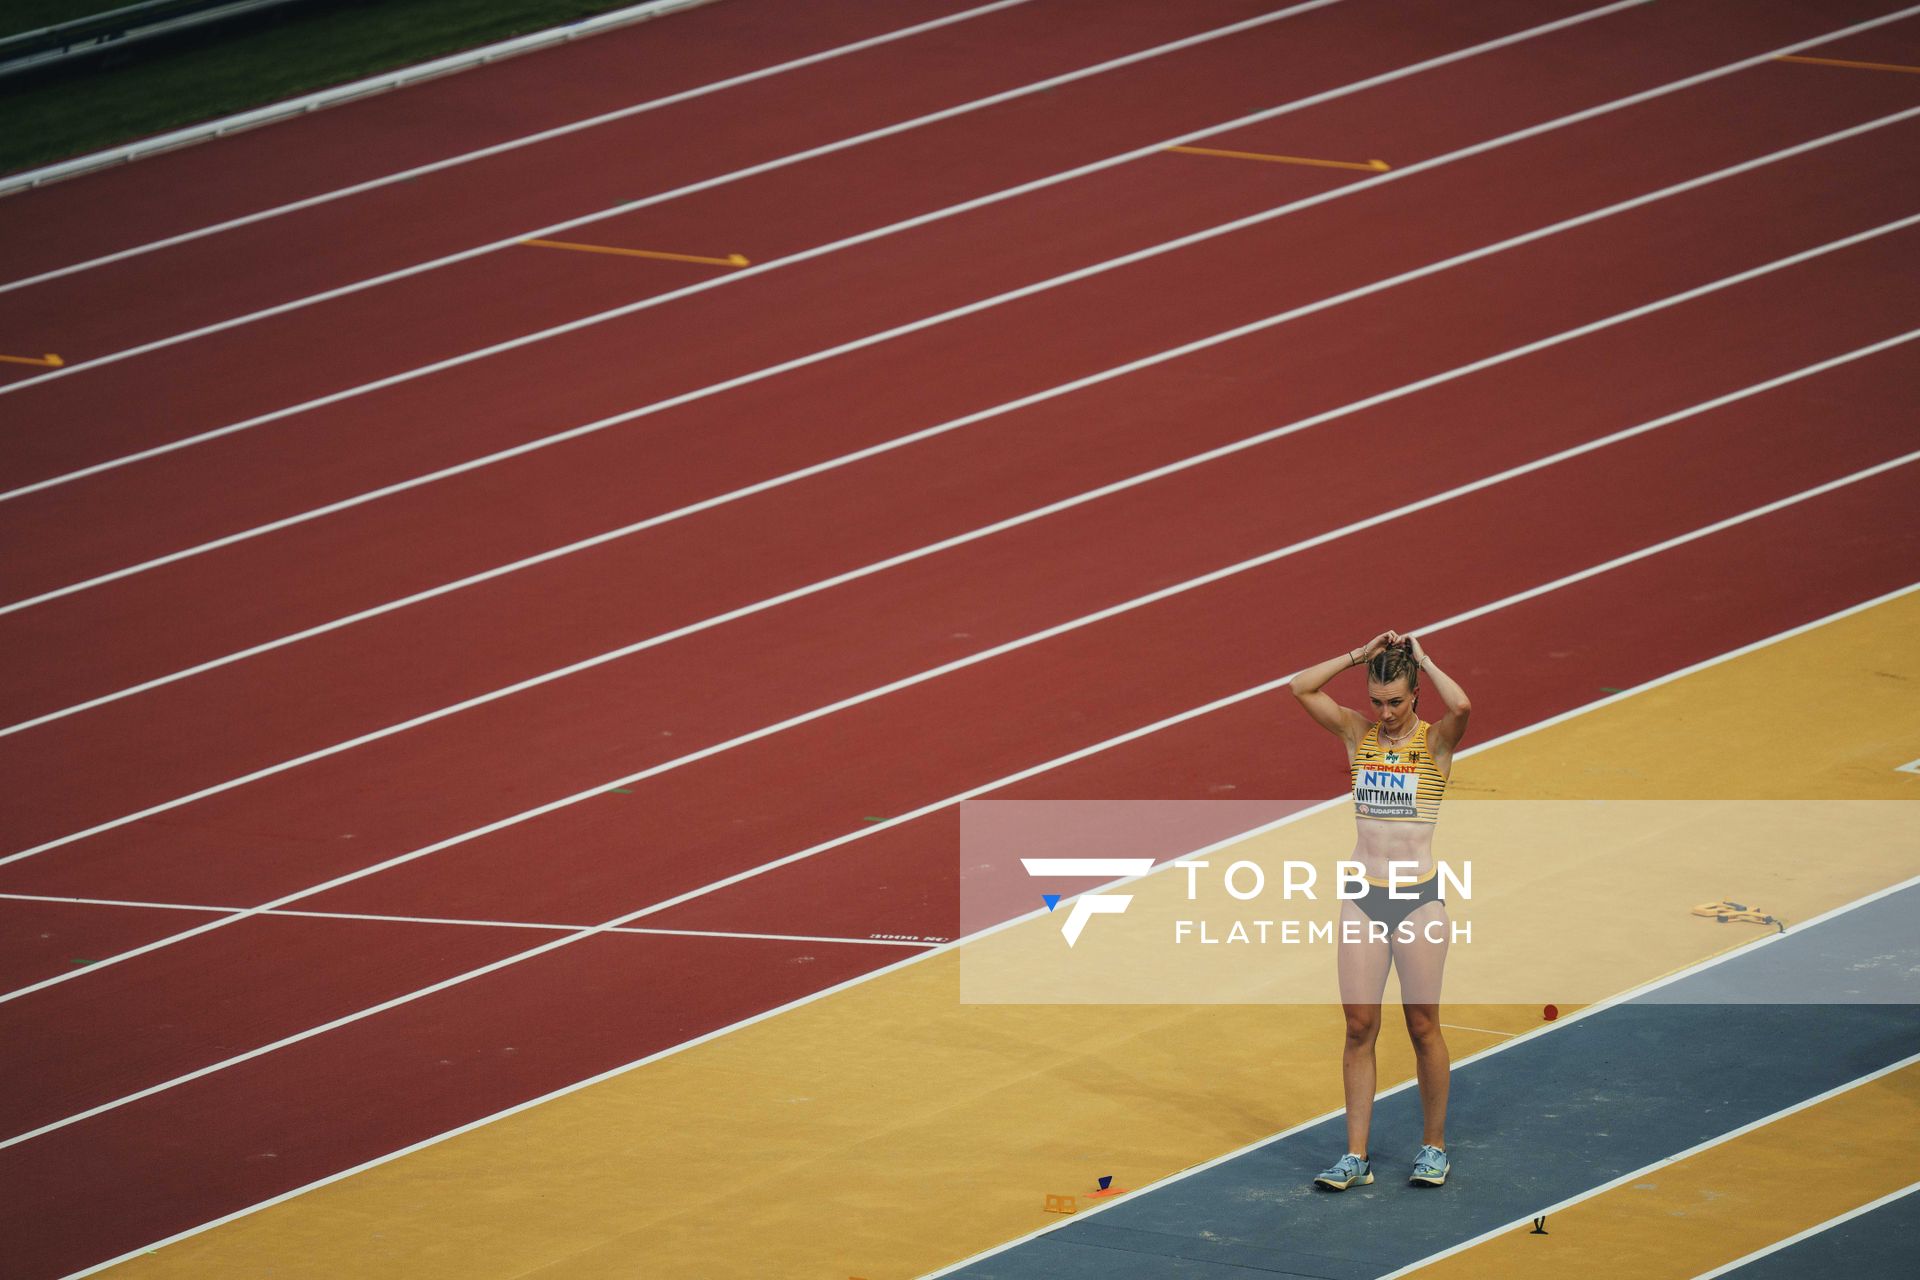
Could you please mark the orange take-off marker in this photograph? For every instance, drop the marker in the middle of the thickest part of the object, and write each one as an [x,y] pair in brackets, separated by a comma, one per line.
[1848,62]
[731,260]
[48,361]
[1372,166]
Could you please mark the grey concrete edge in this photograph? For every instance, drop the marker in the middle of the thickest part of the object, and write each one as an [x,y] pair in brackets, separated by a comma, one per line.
[292,107]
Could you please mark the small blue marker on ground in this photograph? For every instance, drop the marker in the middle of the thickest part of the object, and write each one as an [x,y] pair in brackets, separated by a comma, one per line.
[1051,899]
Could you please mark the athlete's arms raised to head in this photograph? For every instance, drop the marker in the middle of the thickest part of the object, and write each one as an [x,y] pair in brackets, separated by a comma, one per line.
[1344,723]
[1450,728]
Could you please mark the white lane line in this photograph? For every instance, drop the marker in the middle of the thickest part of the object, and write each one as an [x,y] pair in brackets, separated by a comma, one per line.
[1162,357]
[878,233]
[825,992]
[1095,494]
[1798,1236]
[1665,1161]
[691,188]
[578,928]
[508,961]
[110,902]
[891,940]
[1461,1026]
[513,144]
[1303,1126]
[777,937]
[601,539]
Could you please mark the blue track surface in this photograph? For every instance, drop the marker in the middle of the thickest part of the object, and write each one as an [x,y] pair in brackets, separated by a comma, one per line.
[1881,1243]
[1545,1120]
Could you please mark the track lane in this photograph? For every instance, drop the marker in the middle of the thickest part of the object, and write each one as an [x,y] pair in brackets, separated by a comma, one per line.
[603,472]
[366,961]
[47,937]
[678,831]
[407,325]
[386,1073]
[112,210]
[1499,304]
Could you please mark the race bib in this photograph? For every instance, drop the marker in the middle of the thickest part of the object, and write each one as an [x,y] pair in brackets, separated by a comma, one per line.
[1387,791]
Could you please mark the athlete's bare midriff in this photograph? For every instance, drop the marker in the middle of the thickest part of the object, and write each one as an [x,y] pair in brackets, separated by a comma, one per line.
[1380,843]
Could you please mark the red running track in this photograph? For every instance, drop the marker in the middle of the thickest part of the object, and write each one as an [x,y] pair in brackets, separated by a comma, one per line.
[236,597]
[592,174]
[678,565]
[383,1081]
[256,714]
[562,868]
[508,294]
[347,449]
[118,209]
[457,766]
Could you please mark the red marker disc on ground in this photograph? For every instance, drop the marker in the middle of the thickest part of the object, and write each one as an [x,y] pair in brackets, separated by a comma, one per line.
[1551,1012]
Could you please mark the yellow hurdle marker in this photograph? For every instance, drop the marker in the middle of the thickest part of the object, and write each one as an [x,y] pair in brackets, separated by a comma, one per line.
[1373,166]
[48,361]
[1060,1204]
[1842,62]
[731,260]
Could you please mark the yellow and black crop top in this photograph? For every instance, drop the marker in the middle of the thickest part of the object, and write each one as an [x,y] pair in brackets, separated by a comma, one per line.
[1402,784]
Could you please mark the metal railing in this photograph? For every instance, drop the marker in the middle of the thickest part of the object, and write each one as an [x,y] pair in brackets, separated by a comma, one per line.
[382,83]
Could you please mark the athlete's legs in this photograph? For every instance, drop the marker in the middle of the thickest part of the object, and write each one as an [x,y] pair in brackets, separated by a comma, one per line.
[1363,976]
[1421,963]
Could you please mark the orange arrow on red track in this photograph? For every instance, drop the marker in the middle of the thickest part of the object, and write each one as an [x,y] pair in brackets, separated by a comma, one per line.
[1373,166]
[731,260]
[1846,62]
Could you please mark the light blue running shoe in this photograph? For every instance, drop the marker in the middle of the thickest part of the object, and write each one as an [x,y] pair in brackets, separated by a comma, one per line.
[1348,1171]
[1430,1167]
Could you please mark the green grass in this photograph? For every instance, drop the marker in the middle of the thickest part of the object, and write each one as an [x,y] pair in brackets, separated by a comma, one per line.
[309,48]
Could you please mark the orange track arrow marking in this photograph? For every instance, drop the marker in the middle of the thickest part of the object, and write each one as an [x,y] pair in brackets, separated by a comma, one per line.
[1842,62]
[48,361]
[731,260]
[1374,166]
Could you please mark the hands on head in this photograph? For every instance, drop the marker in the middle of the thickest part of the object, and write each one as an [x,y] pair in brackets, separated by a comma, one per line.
[1387,640]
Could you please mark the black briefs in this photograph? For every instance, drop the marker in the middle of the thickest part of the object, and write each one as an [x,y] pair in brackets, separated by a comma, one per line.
[1379,904]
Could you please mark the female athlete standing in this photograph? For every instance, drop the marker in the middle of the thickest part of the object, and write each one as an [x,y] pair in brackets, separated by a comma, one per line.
[1399,764]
